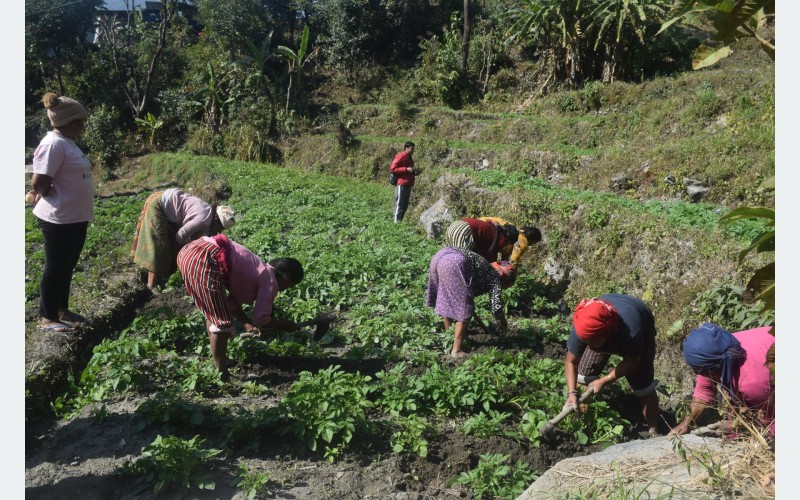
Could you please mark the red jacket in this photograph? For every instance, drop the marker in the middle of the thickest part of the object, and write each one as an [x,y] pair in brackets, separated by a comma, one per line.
[483,234]
[402,161]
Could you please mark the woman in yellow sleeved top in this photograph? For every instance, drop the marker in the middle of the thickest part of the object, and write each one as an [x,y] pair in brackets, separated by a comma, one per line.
[528,235]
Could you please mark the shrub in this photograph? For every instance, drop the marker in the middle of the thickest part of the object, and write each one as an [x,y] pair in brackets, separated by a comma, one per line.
[439,75]
[724,305]
[592,96]
[177,112]
[103,137]
[707,103]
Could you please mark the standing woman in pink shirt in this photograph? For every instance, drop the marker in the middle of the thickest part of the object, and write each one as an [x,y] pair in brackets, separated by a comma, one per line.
[62,196]
[169,220]
[738,364]
[221,275]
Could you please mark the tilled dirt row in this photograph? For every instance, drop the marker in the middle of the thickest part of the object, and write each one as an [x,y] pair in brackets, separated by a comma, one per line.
[82,457]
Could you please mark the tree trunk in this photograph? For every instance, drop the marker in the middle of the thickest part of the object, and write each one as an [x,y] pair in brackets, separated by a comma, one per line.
[288,92]
[465,37]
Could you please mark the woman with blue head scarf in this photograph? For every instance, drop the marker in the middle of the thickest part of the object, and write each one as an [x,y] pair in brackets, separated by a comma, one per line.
[735,362]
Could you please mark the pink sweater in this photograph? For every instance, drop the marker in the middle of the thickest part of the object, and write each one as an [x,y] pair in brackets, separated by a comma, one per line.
[753,384]
[191,214]
[251,280]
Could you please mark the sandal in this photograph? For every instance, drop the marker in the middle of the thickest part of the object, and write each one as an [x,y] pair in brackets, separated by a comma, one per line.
[56,327]
[71,318]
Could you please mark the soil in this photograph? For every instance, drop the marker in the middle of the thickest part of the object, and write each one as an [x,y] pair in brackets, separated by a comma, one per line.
[82,457]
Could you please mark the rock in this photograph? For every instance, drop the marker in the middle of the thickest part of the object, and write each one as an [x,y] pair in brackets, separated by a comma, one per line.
[670,180]
[621,181]
[436,219]
[554,270]
[647,468]
[646,166]
[696,190]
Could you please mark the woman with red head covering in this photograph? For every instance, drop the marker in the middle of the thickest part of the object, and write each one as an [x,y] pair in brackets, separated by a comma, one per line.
[613,324]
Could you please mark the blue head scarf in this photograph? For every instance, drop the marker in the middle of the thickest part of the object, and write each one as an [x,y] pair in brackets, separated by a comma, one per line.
[711,346]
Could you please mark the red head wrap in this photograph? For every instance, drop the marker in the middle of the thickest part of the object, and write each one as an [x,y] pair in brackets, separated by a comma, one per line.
[595,319]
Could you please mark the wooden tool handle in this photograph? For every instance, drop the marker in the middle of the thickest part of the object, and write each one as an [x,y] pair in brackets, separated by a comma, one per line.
[566,411]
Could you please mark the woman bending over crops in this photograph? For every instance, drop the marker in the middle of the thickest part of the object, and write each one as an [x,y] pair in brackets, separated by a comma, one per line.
[741,364]
[484,238]
[513,252]
[620,324]
[212,266]
[169,220]
[455,278]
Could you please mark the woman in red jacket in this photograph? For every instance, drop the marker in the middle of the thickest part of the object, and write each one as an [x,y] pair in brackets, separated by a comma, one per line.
[484,238]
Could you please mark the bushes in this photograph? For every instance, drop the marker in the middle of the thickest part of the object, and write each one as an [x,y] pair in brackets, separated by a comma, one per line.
[440,75]
[103,137]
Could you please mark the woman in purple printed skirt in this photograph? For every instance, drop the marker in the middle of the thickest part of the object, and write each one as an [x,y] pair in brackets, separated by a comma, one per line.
[456,277]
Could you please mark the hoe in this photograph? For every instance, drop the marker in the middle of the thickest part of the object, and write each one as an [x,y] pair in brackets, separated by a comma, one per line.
[549,426]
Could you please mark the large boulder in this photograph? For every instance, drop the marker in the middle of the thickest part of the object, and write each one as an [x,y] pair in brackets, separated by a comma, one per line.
[652,468]
[436,219]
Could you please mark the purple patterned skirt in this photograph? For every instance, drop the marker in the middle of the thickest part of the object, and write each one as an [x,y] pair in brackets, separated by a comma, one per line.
[448,290]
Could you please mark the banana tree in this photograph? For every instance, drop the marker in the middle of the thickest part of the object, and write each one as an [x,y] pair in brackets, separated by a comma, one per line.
[555,27]
[619,24]
[296,61]
[149,126]
[213,99]
[763,281]
[733,20]
[258,56]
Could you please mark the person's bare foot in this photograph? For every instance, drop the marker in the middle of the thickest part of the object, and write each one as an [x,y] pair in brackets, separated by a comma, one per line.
[768,482]
[70,318]
[458,355]
[49,326]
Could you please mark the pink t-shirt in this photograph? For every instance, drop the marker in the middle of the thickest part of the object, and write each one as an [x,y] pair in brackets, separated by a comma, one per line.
[753,385]
[191,214]
[72,193]
[251,280]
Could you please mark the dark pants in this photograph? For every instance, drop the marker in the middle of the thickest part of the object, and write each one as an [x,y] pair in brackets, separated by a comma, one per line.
[401,196]
[62,247]
[641,379]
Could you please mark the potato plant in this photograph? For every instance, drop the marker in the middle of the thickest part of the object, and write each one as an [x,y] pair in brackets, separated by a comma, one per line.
[326,407]
[171,463]
[372,275]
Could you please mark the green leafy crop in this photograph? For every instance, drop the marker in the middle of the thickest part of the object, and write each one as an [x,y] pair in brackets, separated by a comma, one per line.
[494,478]
[326,407]
[171,463]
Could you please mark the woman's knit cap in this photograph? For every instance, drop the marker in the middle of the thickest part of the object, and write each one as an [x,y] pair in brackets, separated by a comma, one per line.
[63,110]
